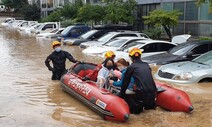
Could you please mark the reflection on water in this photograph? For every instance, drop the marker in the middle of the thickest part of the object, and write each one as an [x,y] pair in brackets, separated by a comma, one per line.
[30,98]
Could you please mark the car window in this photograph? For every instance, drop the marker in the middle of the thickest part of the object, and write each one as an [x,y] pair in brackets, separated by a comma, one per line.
[200,49]
[144,35]
[181,49]
[49,26]
[150,48]
[129,45]
[106,37]
[206,58]
[66,30]
[99,34]
[126,35]
[116,42]
[88,34]
[165,46]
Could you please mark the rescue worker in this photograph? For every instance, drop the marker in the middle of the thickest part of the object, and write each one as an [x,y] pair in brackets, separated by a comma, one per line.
[58,58]
[145,88]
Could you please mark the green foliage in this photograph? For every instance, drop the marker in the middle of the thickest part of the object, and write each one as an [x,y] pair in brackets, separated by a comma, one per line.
[199,2]
[117,10]
[205,38]
[153,33]
[91,13]
[31,12]
[53,17]
[16,4]
[167,19]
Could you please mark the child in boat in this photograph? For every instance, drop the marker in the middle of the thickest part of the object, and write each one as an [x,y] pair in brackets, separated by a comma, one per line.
[105,73]
[122,65]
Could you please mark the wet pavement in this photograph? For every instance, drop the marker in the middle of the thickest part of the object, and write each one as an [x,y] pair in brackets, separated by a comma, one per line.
[30,98]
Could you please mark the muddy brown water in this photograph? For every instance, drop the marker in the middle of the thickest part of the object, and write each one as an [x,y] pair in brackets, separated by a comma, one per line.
[29,98]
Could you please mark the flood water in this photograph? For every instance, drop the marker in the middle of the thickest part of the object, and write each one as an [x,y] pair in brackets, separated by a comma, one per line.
[29,98]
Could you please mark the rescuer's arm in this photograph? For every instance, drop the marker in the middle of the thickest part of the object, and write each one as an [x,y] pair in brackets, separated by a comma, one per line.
[70,57]
[47,61]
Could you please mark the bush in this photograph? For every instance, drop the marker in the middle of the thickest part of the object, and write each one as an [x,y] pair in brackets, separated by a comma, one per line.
[153,33]
[205,38]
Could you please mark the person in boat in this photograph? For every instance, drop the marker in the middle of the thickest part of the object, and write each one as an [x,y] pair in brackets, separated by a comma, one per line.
[105,73]
[58,58]
[92,75]
[145,91]
[122,65]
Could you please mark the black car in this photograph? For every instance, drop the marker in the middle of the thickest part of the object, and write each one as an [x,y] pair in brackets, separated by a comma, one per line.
[183,52]
[88,36]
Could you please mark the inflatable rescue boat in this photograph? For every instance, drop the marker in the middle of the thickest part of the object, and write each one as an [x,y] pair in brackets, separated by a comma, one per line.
[110,106]
[106,104]
[173,99]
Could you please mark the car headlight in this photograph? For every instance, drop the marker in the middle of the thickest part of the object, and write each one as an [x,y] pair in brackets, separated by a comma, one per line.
[183,76]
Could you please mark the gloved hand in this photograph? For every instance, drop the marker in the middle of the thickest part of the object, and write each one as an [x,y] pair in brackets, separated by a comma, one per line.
[80,62]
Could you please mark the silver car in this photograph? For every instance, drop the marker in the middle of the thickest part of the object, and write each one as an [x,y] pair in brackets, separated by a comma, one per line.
[197,70]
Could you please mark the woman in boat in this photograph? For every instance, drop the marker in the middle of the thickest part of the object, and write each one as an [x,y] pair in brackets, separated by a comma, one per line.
[122,65]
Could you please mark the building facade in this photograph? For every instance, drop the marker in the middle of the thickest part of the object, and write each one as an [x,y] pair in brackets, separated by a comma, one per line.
[194,20]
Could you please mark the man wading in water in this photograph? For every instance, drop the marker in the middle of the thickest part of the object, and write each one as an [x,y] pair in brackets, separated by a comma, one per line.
[58,58]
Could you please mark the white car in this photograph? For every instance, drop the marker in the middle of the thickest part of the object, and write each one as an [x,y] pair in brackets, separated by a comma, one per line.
[149,47]
[52,33]
[25,24]
[112,35]
[46,27]
[7,21]
[113,45]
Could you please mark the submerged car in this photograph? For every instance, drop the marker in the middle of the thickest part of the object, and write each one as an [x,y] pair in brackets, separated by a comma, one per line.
[88,36]
[110,36]
[113,45]
[182,52]
[197,70]
[148,47]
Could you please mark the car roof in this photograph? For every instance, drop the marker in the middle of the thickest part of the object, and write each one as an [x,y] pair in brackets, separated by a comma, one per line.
[197,42]
[153,41]
[130,38]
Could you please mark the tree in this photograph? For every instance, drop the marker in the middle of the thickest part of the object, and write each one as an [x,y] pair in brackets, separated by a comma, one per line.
[117,10]
[31,12]
[16,4]
[199,2]
[166,19]
[91,13]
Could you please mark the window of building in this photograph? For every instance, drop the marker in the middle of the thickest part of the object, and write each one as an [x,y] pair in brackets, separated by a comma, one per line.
[191,12]
[180,6]
[168,6]
[205,29]
[179,29]
[204,14]
[192,29]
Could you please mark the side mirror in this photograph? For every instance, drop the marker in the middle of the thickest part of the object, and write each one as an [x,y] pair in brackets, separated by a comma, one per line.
[190,54]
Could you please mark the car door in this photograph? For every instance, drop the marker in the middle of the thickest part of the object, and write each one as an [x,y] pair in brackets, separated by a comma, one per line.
[150,49]
[197,51]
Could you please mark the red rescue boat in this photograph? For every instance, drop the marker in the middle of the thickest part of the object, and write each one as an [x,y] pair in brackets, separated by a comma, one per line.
[108,105]
[173,99]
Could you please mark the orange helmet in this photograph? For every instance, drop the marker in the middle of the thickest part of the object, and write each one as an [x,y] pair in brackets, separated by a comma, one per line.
[55,43]
[109,54]
[135,52]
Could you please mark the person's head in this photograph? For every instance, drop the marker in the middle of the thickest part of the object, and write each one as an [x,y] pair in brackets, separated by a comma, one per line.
[56,45]
[135,54]
[122,64]
[110,54]
[109,63]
